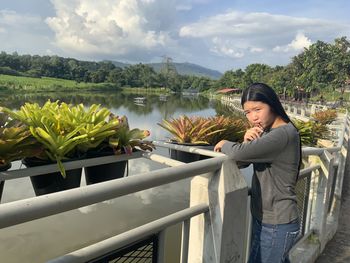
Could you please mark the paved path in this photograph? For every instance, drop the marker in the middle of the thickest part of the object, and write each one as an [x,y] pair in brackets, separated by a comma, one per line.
[338,249]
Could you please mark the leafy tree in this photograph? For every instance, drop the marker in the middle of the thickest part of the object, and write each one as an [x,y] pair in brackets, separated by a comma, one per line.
[116,76]
[98,76]
[234,79]
[256,73]
[339,65]
[313,71]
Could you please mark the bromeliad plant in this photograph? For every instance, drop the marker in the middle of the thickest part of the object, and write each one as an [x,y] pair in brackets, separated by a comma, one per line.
[16,141]
[200,130]
[306,132]
[325,117]
[311,131]
[64,131]
[232,129]
[125,140]
[316,128]
[98,124]
[191,130]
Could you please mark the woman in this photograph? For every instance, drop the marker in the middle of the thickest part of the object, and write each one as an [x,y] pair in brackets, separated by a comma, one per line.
[272,145]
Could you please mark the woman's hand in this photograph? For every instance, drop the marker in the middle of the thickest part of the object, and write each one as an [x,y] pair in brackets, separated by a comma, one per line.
[219,145]
[253,133]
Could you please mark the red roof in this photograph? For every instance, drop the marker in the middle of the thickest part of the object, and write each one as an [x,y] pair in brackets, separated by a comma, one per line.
[227,90]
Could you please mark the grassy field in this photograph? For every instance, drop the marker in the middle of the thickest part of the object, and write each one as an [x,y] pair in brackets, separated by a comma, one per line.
[14,83]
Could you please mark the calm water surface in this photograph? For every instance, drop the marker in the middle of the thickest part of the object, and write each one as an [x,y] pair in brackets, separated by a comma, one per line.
[40,240]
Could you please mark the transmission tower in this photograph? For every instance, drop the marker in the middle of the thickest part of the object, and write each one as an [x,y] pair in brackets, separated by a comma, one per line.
[168,67]
[169,73]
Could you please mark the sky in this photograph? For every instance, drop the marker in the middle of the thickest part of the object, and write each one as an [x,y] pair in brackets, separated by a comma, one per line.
[218,34]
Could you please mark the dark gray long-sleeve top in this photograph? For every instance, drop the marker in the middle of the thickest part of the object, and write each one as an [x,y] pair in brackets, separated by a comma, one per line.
[275,157]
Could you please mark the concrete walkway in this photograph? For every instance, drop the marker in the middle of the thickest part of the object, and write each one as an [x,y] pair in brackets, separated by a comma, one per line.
[338,249]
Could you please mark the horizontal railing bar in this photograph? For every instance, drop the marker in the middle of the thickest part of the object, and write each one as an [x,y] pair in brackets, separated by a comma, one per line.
[44,169]
[191,149]
[103,247]
[25,210]
[162,159]
[306,171]
[318,151]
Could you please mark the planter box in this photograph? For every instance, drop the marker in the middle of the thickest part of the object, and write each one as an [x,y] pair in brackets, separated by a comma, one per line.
[104,172]
[187,157]
[52,182]
[2,183]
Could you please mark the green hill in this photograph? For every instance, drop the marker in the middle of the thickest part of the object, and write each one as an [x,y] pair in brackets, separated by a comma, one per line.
[182,69]
[191,69]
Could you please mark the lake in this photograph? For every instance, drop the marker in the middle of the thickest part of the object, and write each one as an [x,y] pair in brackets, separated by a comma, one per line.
[40,240]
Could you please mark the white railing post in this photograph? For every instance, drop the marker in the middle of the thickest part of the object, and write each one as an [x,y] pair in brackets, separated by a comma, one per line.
[161,246]
[185,241]
[199,224]
[221,235]
[342,158]
[295,110]
[321,198]
[312,109]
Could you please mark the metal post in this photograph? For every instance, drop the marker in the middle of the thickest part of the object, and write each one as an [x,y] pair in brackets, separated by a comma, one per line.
[161,246]
[185,241]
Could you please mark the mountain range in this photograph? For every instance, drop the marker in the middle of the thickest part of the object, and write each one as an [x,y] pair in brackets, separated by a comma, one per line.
[181,68]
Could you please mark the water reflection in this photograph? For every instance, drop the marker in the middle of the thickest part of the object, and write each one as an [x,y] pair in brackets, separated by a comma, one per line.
[40,240]
[115,100]
[144,116]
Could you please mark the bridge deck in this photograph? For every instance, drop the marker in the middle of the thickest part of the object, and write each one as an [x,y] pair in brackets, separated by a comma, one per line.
[338,249]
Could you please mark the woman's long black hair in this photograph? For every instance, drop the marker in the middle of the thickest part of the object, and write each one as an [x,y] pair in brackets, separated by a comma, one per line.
[264,93]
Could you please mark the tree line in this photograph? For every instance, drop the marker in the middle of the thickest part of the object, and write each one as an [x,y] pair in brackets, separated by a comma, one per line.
[139,75]
[320,67]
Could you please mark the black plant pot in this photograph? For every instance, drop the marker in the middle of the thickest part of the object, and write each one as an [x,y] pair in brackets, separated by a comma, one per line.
[185,157]
[52,182]
[104,172]
[2,183]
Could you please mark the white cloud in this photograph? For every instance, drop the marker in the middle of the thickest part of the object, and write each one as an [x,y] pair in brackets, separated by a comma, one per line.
[49,52]
[243,33]
[183,7]
[225,48]
[109,27]
[23,32]
[10,19]
[256,50]
[298,44]
[241,24]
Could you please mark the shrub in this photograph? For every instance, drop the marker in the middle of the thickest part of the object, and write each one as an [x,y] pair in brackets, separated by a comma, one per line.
[325,117]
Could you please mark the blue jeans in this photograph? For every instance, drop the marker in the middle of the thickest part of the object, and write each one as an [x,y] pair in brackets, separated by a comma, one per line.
[271,243]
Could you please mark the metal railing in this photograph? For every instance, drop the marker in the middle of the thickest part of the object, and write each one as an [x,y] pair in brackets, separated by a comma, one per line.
[21,211]
[144,251]
[324,187]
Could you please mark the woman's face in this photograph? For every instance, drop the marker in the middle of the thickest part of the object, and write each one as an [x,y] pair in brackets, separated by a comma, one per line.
[259,114]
